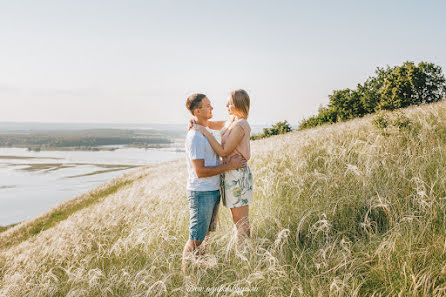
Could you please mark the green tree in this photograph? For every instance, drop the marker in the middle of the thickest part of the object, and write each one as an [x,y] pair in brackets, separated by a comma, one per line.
[399,87]
[347,104]
[390,88]
[411,85]
[327,115]
[370,91]
[310,122]
[276,129]
[431,87]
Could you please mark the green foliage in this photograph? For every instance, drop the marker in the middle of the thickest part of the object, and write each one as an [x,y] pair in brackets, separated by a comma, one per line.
[401,121]
[347,104]
[391,88]
[280,128]
[85,139]
[276,129]
[385,121]
[381,121]
[370,91]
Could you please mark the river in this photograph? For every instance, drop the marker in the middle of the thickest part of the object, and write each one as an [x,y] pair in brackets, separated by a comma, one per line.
[33,182]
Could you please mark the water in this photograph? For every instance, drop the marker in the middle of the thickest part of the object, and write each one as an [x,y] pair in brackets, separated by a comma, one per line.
[33,182]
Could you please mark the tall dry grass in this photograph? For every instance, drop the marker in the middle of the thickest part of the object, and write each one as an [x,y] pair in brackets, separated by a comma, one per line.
[341,210]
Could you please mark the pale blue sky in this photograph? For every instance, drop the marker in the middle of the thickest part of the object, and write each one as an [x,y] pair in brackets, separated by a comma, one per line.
[137,61]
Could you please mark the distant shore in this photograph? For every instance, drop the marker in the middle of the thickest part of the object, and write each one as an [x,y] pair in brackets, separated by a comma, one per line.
[89,139]
[93,148]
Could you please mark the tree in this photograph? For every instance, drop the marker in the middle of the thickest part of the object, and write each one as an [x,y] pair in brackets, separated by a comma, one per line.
[399,87]
[390,88]
[347,104]
[432,85]
[276,129]
[372,88]
[411,85]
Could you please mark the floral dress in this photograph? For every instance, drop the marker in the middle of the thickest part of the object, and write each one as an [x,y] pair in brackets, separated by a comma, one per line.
[236,188]
[236,185]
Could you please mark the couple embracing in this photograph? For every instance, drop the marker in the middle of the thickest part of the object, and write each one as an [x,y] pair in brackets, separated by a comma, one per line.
[211,179]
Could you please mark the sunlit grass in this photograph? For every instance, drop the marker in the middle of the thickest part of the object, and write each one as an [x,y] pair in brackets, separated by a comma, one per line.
[341,210]
[60,213]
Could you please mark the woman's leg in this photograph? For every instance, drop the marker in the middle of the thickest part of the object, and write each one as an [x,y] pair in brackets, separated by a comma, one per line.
[240,215]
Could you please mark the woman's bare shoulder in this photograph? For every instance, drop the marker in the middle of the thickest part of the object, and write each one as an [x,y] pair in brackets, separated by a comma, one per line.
[244,124]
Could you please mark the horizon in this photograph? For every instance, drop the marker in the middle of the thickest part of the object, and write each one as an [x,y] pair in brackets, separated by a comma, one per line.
[110,123]
[125,123]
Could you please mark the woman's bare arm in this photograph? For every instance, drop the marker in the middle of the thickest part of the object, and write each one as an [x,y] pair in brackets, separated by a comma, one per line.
[216,125]
[235,162]
[213,125]
[234,139]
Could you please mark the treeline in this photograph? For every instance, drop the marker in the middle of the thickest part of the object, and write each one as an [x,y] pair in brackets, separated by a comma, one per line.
[83,139]
[390,88]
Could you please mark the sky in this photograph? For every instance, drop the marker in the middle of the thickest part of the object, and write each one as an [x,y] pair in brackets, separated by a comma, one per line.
[137,61]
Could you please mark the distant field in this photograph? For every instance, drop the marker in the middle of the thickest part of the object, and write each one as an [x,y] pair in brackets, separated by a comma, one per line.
[90,139]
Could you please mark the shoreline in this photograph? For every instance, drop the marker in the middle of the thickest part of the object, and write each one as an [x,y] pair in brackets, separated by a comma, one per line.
[38,164]
[94,148]
[23,230]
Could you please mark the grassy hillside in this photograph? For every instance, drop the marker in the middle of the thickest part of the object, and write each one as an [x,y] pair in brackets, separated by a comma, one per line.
[341,210]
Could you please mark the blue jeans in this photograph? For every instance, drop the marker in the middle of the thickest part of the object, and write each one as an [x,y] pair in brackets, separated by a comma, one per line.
[203,208]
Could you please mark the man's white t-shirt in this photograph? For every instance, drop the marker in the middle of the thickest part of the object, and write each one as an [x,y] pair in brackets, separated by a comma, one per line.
[198,147]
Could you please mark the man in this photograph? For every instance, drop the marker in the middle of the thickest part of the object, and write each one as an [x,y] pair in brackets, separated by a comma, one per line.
[204,169]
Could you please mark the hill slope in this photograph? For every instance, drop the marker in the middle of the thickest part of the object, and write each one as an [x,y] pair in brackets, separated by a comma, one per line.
[340,210]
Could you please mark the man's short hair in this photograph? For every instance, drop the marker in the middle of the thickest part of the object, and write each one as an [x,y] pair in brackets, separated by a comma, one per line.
[194,101]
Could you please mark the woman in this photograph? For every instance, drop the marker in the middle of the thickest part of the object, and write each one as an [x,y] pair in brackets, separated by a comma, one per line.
[235,135]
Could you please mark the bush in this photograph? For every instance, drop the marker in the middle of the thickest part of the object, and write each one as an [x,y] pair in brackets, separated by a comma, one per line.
[276,129]
[381,121]
[401,121]
[389,121]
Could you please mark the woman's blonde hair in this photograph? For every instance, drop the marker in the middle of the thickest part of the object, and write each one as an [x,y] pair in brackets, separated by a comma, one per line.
[240,100]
